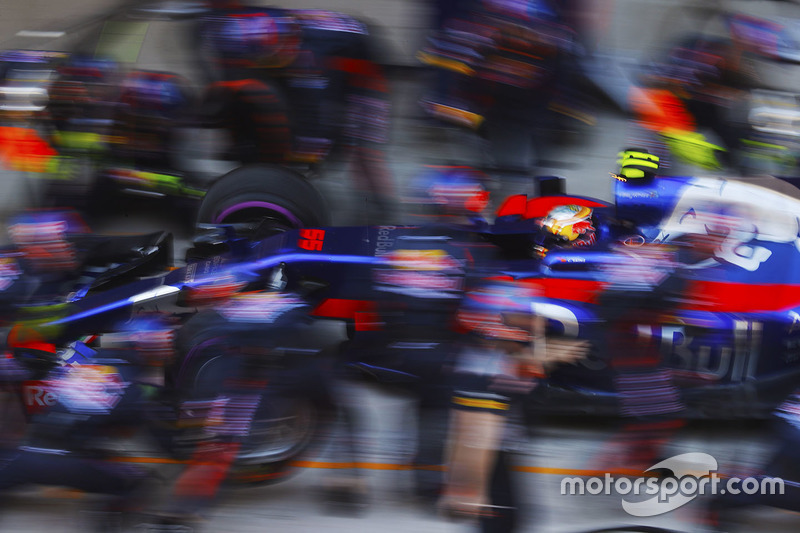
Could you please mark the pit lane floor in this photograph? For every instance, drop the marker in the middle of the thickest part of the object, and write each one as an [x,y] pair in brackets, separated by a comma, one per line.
[555,450]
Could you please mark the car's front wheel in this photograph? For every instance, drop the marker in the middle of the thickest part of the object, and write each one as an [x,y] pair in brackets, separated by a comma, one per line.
[255,193]
[269,402]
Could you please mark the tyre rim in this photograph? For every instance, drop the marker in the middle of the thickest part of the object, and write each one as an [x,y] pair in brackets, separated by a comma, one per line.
[279,437]
[258,205]
[285,433]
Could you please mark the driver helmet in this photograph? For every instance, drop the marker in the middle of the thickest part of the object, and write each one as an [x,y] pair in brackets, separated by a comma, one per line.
[24,76]
[214,290]
[570,225]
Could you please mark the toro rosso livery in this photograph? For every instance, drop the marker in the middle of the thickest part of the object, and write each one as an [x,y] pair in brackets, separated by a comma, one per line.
[734,347]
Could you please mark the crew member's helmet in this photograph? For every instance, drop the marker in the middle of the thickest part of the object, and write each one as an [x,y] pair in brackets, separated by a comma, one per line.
[498,310]
[519,10]
[83,89]
[449,191]
[43,237]
[254,38]
[158,95]
[637,165]
[24,78]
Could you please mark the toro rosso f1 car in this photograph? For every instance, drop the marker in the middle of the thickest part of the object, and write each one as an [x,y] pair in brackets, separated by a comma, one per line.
[734,348]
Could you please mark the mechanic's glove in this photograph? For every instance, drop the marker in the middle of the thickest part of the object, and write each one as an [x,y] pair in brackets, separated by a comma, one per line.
[692,147]
[454,113]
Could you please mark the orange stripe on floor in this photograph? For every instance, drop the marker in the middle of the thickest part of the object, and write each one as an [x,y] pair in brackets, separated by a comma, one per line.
[400,466]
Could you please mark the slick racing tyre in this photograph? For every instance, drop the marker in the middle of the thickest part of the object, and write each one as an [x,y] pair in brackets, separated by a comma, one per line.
[259,192]
[289,415]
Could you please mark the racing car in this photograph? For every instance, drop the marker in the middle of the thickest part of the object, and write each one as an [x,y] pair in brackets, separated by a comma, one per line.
[734,351]
[262,259]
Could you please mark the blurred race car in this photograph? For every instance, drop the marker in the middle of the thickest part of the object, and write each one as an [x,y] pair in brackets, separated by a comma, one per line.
[733,345]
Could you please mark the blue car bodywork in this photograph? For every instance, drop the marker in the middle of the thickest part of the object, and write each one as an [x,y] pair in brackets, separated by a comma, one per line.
[735,352]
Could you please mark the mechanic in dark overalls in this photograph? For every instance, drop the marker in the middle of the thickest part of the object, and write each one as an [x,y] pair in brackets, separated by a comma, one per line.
[637,298]
[321,69]
[417,288]
[75,406]
[256,382]
[504,353]
[451,202]
[504,70]
[643,284]
[63,444]
[73,413]
[724,511]
[418,291]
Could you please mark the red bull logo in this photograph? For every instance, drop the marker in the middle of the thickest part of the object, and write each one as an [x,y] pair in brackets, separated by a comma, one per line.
[38,396]
[90,389]
[422,260]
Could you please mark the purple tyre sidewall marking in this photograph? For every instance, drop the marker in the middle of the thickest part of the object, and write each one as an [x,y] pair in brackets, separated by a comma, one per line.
[192,352]
[262,205]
